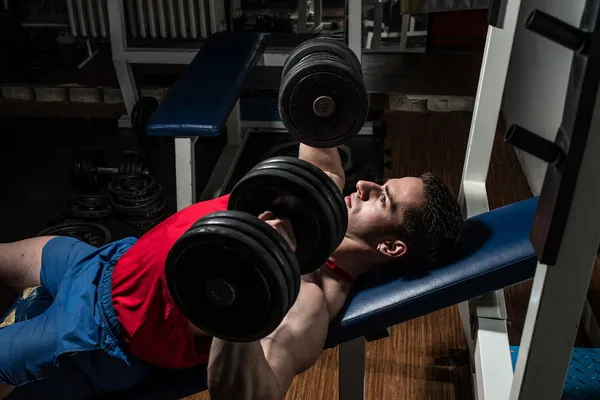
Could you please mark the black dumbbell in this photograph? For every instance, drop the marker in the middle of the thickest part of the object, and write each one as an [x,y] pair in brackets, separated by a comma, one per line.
[87,169]
[323,100]
[235,277]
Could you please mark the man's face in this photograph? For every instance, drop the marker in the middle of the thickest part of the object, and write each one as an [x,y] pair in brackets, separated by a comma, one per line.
[376,209]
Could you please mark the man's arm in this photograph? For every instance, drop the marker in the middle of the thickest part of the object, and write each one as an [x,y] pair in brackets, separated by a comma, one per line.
[327,160]
[264,370]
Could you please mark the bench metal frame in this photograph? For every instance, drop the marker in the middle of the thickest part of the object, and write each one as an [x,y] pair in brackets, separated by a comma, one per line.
[490,351]
[552,318]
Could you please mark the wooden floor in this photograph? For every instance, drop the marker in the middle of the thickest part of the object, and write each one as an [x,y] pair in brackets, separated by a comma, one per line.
[411,364]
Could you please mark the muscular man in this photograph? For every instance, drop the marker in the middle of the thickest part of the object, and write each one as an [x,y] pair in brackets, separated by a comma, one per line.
[113,324]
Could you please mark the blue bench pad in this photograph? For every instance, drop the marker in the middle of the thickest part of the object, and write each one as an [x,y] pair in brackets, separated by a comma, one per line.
[199,103]
[496,253]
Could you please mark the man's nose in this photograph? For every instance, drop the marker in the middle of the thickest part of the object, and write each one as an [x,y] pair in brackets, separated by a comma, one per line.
[363,190]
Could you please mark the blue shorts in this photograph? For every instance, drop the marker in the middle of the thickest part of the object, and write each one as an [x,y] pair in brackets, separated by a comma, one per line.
[73,346]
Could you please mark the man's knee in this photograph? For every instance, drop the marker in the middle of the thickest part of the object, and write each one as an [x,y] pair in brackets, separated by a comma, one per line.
[21,262]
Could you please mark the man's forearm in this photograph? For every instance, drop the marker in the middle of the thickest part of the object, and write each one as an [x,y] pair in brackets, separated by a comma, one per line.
[326,159]
[240,371]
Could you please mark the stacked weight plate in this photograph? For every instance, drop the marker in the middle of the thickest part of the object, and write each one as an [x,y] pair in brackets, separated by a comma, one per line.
[83,218]
[138,200]
[323,101]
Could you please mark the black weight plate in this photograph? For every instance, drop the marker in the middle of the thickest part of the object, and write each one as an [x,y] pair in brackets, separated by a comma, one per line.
[282,252]
[93,206]
[141,113]
[133,167]
[83,170]
[220,251]
[336,192]
[310,175]
[149,197]
[331,236]
[142,209]
[151,213]
[257,192]
[310,79]
[259,231]
[93,234]
[321,45]
[59,219]
[271,241]
[333,193]
[131,186]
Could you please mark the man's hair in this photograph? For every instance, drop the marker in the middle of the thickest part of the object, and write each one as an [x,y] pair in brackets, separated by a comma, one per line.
[432,228]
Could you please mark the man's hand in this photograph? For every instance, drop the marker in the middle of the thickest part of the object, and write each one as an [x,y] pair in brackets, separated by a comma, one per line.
[328,160]
[283,226]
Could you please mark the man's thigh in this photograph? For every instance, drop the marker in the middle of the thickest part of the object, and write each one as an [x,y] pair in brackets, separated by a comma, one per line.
[28,349]
[63,257]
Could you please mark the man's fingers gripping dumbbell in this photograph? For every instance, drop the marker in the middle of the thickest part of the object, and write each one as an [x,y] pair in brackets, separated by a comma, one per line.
[282,226]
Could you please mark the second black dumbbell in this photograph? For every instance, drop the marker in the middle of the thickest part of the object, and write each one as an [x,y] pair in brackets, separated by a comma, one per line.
[88,168]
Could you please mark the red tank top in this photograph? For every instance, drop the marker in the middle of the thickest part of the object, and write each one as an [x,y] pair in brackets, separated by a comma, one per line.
[153,327]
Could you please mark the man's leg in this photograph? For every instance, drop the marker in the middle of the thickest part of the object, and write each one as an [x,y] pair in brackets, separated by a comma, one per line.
[21,262]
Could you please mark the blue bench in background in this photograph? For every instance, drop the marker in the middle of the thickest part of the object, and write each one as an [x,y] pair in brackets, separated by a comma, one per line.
[204,102]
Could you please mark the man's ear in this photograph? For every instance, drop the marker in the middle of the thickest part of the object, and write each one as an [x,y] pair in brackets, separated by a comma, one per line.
[392,248]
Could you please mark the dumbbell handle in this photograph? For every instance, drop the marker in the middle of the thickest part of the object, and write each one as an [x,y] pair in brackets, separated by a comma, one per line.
[107,170]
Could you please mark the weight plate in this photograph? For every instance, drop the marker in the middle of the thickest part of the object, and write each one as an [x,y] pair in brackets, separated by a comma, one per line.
[321,45]
[322,102]
[140,206]
[93,206]
[84,173]
[330,234]
[59,219]
[93,234]
[141,113]
[131,186]
[301,171]
[287,195]
[151,212]
[291,149]
[258,230]
[225,282]
[155,193]
[330,190]
[281,251]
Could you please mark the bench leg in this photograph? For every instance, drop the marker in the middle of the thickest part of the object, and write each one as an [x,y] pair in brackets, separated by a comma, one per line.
[302,16]
[234,126]
[355,27]
[127,84]
[352,366]
[185,172]
[493,365]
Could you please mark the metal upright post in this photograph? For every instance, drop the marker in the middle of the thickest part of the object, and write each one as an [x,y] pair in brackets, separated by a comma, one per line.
[490,350]
[566,231]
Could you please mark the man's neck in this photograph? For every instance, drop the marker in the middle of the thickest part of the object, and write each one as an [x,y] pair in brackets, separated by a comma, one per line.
[354,257]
